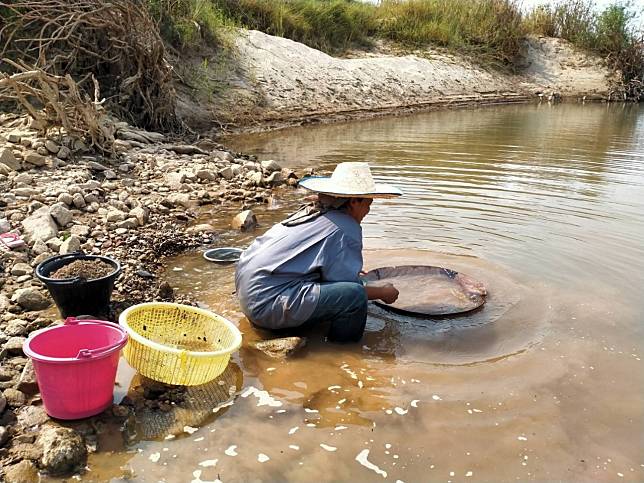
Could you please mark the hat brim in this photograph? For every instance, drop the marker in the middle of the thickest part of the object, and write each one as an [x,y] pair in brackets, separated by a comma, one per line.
[324,185]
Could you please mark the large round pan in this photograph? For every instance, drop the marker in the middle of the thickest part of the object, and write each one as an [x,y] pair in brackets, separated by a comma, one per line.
[429,291]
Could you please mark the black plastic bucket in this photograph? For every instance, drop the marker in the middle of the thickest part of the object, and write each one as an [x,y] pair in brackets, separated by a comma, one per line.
[77,296]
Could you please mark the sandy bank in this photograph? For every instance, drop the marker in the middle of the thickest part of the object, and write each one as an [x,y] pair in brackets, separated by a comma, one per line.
[277,81]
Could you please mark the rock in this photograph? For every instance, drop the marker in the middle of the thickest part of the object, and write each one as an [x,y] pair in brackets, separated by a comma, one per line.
[27,382]
[23,472]
[269,166]
[128,224]
[94,166]
[25,192]
[16,328]
[30,299]
[186,149]
[165,291]
[71,245]
[201,228]
[40,225]
[206,174]
[39,247]
[144,274]
[20,269]
[14,398]
[78,201]
[3,404]
[6,374]
[90,198]
[51,146]
[63,450]
[275,179]
[14,137]
[35,159]
[4,434]
[174,180]
[181,199]
[224,156]
[30,416]
[244,221]
[4,170]
[9,160]
[141,214]
[25,451]
[14,345]
[255,178]
[5,226]
[64,152]
[4,303]
[79,145]
[280,348]
[110,174]
[54,244]
[226,173]
[66,198]
[80,230]
[114,216]
[61,214]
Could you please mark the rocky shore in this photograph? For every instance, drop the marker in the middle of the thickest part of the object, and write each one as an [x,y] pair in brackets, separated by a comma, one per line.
[138,207]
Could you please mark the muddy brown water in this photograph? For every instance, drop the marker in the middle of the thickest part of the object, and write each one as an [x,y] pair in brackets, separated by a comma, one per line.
[545,205]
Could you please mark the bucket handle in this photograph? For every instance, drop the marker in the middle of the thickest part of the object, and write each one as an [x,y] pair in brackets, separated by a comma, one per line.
[88,353]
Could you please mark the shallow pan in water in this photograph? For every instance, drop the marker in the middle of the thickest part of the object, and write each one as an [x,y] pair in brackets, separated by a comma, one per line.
[223,255]
[429,291]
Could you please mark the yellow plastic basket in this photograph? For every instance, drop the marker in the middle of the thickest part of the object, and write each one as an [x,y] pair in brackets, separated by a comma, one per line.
[178,344]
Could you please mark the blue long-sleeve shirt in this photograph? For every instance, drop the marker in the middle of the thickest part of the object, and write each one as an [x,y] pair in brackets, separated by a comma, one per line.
[278,276]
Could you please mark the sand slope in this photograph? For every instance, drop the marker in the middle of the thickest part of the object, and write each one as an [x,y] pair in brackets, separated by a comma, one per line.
[277,80]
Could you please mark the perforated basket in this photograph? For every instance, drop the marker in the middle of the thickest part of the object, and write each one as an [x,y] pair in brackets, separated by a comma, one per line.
[178,344]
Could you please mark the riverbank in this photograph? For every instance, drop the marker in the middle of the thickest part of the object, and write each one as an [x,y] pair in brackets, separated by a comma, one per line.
[277,83]
[138,207]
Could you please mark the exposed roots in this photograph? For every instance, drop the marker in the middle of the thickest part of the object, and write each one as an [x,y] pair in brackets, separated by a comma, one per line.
[56,101]
[115,41]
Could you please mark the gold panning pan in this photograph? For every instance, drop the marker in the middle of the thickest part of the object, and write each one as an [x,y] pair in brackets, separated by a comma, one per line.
[427,291]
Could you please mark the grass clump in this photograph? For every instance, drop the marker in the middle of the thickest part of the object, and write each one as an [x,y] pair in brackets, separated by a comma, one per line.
[327,25]
[188,23]
[492,30]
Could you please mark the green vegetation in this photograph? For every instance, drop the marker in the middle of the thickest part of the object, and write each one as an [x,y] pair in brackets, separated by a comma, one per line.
[490,29]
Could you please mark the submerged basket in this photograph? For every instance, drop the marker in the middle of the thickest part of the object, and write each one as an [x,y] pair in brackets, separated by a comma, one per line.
[178,344]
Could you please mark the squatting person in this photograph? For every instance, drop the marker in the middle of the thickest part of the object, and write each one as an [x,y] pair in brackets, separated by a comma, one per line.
[306,269]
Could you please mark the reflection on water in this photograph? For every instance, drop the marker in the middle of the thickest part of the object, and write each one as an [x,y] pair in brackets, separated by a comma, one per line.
[543,204]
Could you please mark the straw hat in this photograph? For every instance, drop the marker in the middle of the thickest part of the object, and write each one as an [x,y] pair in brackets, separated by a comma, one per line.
[350,180]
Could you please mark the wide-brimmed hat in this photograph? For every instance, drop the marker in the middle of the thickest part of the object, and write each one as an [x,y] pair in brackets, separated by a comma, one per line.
[350,180]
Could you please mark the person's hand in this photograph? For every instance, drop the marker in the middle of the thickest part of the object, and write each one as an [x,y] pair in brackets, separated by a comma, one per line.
[389,294]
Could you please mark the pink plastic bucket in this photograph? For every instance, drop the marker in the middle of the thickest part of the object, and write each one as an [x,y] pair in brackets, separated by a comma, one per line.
[75,366]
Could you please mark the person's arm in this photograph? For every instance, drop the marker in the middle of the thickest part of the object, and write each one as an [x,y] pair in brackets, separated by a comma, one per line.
[387,293]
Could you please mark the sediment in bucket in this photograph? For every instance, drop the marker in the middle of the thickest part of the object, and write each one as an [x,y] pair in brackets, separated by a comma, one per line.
[75,366]
[77,296]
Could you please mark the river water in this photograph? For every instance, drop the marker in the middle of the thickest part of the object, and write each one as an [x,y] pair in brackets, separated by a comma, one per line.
[545,205]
